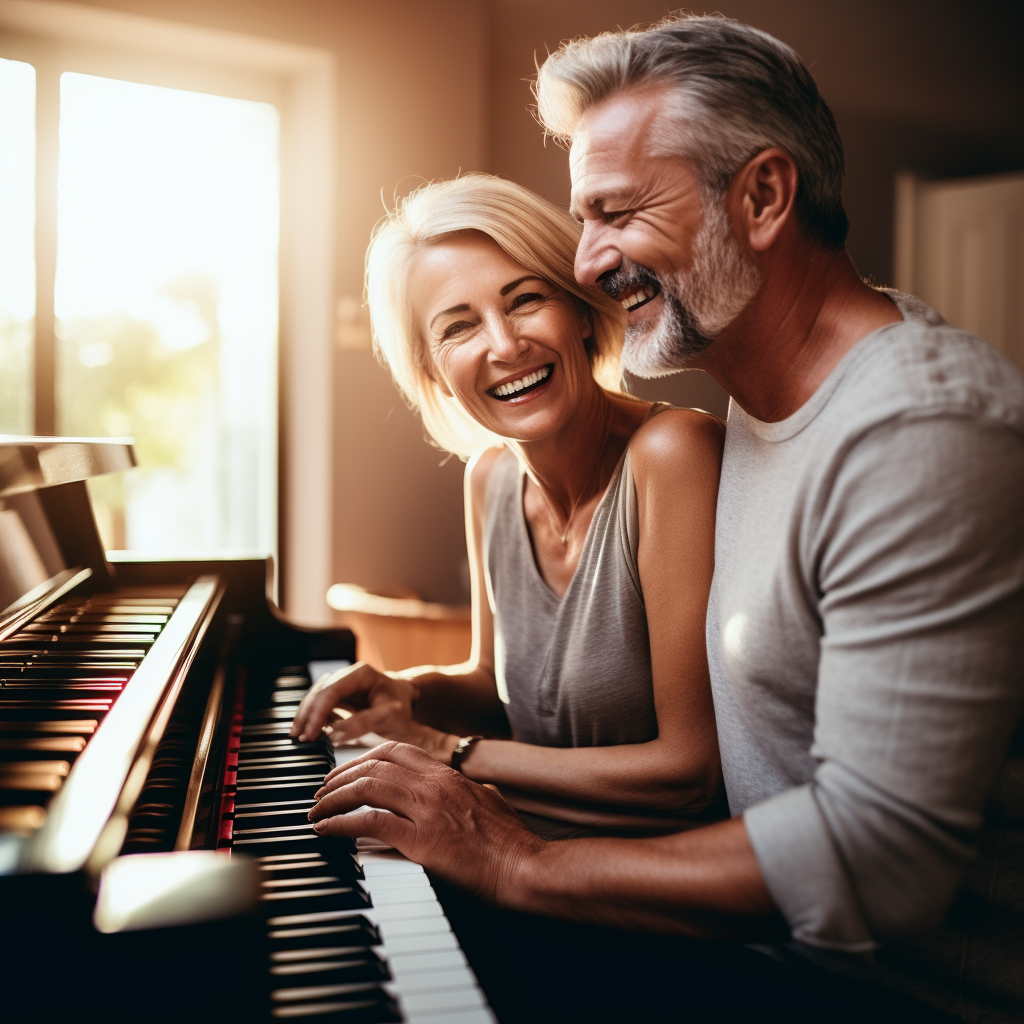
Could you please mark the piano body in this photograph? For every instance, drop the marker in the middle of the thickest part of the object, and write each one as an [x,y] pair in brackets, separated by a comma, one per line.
[155,858]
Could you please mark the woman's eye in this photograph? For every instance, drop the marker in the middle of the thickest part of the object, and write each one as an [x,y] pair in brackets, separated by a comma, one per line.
[453,329]
[526,297]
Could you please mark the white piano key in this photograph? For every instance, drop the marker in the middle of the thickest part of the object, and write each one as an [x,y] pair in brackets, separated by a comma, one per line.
[392,883]
[392,897]
[434,1002]
[416,926]
[419,943]
[432,981]
[404,911]
[481,1015]
[403,964]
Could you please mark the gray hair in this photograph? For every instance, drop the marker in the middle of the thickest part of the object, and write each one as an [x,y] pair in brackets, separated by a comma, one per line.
[738,91]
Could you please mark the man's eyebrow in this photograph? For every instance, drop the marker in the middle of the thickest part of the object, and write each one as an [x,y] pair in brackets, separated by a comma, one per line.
[601,201]
[461,308]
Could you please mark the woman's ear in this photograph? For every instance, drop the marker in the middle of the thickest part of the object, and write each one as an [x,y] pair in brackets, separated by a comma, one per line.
[437,380]
[586,318]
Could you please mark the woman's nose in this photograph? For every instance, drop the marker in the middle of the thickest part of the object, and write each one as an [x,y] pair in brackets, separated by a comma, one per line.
[504,340]
[596,254]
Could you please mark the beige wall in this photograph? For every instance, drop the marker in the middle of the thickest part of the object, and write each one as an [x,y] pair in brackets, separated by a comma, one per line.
[428,87]
[411,106]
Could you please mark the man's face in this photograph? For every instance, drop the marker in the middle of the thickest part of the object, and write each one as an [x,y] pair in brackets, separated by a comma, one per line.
[648,239]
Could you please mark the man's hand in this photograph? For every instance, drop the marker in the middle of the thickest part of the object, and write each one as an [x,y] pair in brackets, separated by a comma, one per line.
[396,793]
[358,700]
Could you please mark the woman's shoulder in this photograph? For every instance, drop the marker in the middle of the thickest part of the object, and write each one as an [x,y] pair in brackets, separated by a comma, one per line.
[671,437]
[480,469]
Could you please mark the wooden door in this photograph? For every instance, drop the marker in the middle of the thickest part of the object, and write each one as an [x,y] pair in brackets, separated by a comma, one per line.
[959,246]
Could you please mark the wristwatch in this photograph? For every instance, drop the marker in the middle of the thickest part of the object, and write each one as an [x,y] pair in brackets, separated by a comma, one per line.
[462,748]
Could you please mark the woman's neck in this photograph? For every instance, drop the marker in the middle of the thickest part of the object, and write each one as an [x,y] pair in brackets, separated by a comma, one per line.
[569,462]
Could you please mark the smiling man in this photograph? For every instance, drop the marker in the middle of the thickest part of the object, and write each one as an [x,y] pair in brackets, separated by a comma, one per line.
[864,630]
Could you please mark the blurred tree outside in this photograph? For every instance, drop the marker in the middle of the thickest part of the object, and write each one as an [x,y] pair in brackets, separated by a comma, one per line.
[120,375]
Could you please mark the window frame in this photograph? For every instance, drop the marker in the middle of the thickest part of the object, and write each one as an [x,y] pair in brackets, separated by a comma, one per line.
[300,81]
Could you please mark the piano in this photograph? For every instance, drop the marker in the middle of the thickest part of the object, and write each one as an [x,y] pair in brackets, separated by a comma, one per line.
[156,861]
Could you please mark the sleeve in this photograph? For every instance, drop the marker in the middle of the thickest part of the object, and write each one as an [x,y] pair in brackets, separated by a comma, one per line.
[918,560]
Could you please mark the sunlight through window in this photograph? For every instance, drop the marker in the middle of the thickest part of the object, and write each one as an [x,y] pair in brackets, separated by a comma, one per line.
[166,306]
[17,244]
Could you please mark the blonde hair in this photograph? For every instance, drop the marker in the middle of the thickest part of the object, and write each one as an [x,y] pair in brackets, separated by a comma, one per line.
[534,233]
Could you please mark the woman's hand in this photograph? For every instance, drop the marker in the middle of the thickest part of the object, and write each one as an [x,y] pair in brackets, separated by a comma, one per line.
[357,700]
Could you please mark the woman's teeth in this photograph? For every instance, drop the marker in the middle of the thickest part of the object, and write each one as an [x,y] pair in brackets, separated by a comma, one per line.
[637,298]
[513,386]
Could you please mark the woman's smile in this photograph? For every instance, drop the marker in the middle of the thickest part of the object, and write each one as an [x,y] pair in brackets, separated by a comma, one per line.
[517,389]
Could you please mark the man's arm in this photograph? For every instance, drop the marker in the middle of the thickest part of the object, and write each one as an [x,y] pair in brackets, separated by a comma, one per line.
[919,567]
[704,883]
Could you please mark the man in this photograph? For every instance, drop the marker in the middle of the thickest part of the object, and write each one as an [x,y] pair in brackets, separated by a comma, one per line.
[864,629]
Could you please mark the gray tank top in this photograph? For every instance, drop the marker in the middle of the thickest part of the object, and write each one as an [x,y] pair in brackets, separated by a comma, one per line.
[574,671]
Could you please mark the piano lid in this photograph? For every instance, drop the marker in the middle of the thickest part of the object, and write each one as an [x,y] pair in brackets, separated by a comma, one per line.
[29,463]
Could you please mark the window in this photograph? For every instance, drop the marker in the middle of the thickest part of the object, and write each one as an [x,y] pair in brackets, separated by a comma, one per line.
[17,247]
[166,308]
[196,183]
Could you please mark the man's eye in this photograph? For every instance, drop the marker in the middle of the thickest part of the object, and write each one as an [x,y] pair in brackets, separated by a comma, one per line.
[611,216]
[526,297]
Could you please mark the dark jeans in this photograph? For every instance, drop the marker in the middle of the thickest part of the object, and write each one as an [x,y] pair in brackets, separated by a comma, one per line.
[535,970]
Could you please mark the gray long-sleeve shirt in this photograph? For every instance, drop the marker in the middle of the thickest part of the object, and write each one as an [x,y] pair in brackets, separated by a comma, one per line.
[866,641]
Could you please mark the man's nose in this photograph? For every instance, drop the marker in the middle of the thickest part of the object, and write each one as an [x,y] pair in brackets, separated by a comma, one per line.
[596,255]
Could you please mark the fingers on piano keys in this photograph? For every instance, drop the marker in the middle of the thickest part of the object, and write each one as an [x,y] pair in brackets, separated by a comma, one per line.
[358,938]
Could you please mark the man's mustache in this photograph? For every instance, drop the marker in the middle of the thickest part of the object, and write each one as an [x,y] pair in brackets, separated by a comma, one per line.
[629,277]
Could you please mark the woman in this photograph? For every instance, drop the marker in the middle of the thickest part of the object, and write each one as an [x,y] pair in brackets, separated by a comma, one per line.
[589,521]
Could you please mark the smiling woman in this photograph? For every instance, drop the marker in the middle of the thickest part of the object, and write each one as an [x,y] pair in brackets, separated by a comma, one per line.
[589,521]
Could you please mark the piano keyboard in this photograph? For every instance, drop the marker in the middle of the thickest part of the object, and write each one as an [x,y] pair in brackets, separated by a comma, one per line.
[355,931]
[60,675]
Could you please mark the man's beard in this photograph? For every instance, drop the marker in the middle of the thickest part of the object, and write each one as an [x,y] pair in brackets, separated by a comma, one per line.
[698,305]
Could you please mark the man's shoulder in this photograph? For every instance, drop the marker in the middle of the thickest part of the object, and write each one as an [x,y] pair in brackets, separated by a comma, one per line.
[924,366]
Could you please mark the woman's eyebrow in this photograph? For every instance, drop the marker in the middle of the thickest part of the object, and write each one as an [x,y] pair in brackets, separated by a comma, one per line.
[518,281]
[462,308]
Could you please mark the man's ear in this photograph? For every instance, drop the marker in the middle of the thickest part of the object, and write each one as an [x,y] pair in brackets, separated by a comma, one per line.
[763,197]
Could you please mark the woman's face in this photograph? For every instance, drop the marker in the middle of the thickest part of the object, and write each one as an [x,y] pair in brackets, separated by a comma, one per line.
[506,344]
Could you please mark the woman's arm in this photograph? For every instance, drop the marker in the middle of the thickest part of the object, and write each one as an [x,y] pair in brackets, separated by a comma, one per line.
[427,705]
[676,460]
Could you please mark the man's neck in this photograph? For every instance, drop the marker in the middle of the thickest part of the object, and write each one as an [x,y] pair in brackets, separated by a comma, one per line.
[810,311]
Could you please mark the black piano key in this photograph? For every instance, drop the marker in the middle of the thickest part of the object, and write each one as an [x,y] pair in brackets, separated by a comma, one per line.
[285,713]
[22,819]
[114,671]
[30,710]
[57,691]
[123,618]
[40,747]
[257,846]
[80,727]
[288,696]
[355,931]
[368,967]
[335,860]
[315,899]
[31,782]
[351,1004]
[252,793]
[284,773]
[257,748]
[272,819]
